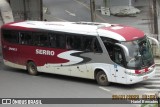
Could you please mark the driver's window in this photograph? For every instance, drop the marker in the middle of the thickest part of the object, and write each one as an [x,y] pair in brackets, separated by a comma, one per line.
[116,54]
[118,58]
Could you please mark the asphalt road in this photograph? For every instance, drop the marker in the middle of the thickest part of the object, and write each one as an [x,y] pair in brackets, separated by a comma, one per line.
[70,10]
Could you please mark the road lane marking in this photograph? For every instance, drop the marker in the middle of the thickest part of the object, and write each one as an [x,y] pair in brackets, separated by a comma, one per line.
[104,89]
[53,18]
[72,14]
[82,4]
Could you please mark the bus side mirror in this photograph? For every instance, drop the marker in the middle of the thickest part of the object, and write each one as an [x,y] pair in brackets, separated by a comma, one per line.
[155,40]
[125,49]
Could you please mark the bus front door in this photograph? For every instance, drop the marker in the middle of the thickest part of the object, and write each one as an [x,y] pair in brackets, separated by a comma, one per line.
[119,70]
[119,74]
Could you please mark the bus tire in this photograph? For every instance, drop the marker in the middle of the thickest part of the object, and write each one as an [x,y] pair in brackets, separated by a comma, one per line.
[102,79]
[32,68]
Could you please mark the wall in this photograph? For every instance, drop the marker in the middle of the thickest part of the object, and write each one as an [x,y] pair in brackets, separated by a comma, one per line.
[6,12]
[120,2]
[27,9]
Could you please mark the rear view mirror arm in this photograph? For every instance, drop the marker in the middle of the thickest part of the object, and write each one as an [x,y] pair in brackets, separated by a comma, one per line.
[125,49]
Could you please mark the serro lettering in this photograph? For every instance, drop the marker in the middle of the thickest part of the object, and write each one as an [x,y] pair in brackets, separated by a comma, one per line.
[44,52]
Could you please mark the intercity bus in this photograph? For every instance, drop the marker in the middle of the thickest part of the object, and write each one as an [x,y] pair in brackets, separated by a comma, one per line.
[101,51]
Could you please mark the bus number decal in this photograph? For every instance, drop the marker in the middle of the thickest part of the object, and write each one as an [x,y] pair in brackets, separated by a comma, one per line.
[45,52]
[12,49]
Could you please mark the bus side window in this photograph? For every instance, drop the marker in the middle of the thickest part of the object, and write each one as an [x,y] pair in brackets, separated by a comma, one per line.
[91,44]
[77,42]
[11,36]
[87,46]
[15,37]
[60,43]
[35,39]
[73,42]
[52,40]
[69,42]
[43,40]
[7,35]
[96,46]
[25,38]
[40,39]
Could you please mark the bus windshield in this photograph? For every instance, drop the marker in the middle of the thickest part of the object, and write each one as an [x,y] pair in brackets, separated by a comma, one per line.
[140,54]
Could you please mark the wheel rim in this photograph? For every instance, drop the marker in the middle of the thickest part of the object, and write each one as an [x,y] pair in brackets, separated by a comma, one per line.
[102,78]
[32,69]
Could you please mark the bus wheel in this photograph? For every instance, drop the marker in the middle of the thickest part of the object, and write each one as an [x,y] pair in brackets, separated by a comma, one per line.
[102,79]
[32,68]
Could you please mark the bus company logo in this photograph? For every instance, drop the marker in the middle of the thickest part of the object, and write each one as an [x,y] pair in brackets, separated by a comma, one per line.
[6,101]
[45,52]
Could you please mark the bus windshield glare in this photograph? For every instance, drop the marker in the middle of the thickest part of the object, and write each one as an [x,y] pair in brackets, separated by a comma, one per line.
[140,54]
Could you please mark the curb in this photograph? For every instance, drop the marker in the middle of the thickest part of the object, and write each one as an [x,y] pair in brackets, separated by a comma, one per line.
[157,64]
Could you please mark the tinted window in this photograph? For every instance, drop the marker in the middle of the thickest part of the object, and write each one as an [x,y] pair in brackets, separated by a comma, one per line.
[43,40]
[39,39]
[25,38]
[11,36]
[77,42]
[60,41]
[96,46]
[84,43]
[73,42]
[52,40]
[91,44]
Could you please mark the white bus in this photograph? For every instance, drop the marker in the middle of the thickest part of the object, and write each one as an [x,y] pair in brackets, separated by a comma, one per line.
[101,51]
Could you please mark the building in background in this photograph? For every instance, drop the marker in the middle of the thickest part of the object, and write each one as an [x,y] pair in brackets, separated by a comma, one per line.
[121,2]
[26,9]
[5,12]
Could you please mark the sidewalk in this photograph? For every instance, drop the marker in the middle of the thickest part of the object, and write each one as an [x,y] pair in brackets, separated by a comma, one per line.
[157,61]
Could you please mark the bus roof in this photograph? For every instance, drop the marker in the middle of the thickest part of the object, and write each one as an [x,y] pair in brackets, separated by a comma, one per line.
[114,31]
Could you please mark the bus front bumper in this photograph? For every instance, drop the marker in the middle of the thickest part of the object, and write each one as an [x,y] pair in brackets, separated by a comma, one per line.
[132,79]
